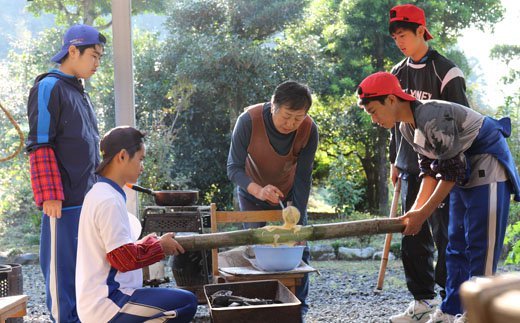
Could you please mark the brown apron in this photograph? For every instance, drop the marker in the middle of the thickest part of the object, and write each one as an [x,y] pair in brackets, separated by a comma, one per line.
[263,164]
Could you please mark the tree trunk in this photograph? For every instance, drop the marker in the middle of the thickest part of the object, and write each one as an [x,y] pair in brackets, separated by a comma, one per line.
[382,171]
[88,12]
[371,172]
[382,140]
[307,233]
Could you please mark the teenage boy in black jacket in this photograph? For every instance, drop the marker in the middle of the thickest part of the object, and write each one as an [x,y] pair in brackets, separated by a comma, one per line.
[426,75]
[63,146]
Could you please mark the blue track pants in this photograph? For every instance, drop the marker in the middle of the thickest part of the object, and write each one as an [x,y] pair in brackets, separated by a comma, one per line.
[156,305]
[477,225]
[58,249]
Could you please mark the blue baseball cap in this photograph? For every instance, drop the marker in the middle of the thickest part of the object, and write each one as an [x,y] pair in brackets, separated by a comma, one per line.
[78,35]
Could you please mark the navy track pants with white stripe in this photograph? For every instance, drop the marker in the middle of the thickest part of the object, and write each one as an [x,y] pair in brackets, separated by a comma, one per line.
[156,305]
[477,225]
[58,250]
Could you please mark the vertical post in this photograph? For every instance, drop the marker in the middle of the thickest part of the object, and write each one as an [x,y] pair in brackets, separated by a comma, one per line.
[214,251]
[388,238]
[124,75]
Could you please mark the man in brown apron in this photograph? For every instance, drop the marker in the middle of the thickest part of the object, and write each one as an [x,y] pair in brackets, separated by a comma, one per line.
[271,155]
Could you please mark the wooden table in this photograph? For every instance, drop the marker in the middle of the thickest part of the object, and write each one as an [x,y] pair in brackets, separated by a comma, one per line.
[289,280]
[13,306]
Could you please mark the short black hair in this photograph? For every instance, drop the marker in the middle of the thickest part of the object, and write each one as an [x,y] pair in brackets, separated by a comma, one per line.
[117,139]
[406,25]
[135,148]
[293,95]
[136,142]
[102,41]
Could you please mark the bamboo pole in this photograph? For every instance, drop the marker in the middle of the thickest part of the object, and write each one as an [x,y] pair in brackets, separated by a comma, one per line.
[388,238]
[307,233]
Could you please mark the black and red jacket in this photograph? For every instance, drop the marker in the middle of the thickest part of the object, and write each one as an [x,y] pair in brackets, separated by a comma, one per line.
[434,77]
[61,117]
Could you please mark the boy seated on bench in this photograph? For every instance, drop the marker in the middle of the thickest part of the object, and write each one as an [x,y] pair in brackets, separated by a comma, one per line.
[109,279]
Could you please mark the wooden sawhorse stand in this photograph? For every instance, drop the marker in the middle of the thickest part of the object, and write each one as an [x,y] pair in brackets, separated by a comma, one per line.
[13,306]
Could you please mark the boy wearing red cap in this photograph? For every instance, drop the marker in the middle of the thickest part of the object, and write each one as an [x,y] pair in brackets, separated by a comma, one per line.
[63,153]
[426,75]
[109,279]
[462,154]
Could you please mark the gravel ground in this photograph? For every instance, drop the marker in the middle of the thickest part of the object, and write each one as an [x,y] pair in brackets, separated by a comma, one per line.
[343,292]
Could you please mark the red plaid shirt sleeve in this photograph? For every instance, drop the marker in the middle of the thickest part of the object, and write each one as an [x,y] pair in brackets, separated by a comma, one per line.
[45,176]
[137,255]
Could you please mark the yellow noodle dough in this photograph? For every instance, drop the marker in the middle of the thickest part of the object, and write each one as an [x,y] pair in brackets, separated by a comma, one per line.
[290,216]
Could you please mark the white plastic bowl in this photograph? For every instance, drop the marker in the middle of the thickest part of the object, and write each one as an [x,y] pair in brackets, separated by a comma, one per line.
[282,258]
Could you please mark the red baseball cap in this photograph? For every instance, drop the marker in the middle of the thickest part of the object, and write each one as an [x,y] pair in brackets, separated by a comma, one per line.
[410,13]
[382,83]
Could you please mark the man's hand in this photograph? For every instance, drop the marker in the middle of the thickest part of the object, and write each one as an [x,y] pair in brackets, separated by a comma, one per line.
[413,221]
[52,208]
[170,245]
[269,193]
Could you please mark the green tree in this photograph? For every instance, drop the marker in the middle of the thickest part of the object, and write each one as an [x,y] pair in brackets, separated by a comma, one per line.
[17,211]
[509,54]
[511,108]
[353,36]
[91,12]
[27,58]
[227,52]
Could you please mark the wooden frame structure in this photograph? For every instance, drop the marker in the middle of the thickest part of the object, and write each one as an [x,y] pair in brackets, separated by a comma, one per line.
[13,306]
[290,280]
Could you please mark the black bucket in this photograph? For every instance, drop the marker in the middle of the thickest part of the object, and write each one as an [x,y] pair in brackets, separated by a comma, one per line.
[5,270]
[191,268]
[15,278]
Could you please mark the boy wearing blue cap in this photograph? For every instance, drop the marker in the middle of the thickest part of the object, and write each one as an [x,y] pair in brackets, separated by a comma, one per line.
[63,153]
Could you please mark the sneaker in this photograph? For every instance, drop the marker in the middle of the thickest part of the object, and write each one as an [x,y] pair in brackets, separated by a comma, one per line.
[417,312]
[440,317]
[461,318]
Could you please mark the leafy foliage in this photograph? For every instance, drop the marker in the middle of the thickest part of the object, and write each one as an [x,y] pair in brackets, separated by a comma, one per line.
[353,37]
[513,235]
[17,209]
[225,52]
[511,109]
[220,56]
[70,12]
[338,166]
[345,193]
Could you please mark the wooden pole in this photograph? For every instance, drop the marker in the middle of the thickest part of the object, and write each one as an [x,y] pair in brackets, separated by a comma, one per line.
[388,238]
[306,233]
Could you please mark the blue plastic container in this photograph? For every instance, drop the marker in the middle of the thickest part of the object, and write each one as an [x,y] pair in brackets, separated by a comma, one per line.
[282,258]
